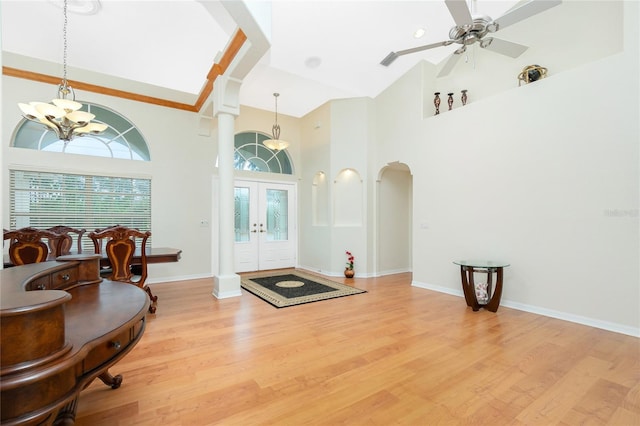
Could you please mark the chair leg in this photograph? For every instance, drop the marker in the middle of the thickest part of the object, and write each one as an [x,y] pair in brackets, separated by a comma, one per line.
[152,298]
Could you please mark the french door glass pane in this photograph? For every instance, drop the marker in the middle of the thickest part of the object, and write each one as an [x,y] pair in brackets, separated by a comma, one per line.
[277,215]
[241,215]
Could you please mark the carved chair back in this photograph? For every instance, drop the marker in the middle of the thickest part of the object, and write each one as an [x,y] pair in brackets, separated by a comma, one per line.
[119,245]
[100,249]
[67,241]
[26,245]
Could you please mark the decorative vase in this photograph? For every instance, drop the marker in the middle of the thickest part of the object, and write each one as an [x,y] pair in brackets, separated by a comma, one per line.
[532,73]
[436,102]
[349,273]
[464,97]
[450,100]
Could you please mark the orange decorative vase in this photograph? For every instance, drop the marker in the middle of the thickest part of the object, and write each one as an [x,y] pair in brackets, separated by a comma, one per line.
[349,273]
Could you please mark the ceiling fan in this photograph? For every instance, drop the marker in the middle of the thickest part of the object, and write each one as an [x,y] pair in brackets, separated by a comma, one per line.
[474,29]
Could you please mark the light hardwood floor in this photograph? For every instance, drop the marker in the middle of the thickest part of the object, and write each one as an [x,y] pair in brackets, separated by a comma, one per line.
[394,355]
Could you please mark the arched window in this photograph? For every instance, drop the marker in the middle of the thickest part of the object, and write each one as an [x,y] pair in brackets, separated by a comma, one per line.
[121,139]
[41,198]
[250,154]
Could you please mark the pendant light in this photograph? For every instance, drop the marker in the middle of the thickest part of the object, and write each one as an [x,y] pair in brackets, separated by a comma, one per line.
[275,143]
[63,115]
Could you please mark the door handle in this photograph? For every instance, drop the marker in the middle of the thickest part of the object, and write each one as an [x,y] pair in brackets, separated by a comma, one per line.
[262,229]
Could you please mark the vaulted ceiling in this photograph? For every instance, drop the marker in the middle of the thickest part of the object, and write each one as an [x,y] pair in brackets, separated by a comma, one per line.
[317,50]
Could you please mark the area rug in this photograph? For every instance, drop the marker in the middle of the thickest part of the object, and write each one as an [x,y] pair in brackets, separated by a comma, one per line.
[295,288]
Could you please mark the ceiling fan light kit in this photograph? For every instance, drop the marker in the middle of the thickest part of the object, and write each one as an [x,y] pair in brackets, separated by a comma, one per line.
[471,30]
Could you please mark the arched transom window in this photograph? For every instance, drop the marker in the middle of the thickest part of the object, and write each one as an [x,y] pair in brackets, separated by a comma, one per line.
[250,154]
[121,139]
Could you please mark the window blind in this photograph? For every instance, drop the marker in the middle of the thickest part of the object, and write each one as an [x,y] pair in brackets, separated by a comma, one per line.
[43,199]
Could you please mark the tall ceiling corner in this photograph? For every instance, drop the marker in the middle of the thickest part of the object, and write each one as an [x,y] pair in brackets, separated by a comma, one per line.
[254,20]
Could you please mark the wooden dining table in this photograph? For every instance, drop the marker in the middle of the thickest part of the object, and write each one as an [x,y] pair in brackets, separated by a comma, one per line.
[154,255]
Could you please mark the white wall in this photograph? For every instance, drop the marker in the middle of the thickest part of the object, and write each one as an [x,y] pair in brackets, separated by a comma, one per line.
[181,168]
[350,146]
[315,239]
[544,176]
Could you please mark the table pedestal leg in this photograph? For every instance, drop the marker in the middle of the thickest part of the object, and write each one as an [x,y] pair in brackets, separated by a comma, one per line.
[67,414]
[469,288]
[493,304]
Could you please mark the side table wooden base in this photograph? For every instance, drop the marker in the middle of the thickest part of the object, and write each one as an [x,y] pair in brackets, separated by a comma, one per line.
[467,270]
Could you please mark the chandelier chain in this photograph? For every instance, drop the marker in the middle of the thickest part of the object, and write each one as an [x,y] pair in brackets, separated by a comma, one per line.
[64,51]
[276,96]
[63,116]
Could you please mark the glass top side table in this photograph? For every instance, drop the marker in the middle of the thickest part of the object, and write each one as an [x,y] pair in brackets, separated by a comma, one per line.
[480,296]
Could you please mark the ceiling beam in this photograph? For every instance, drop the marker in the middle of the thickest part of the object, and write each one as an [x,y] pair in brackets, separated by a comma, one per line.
[217,69]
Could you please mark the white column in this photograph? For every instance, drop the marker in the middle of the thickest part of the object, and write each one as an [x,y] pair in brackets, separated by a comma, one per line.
[226,108]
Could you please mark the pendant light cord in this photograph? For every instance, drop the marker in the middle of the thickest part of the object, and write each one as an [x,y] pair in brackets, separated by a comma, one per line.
[64,88]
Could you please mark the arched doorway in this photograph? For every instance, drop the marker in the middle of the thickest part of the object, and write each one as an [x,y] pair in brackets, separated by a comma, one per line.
[395,219]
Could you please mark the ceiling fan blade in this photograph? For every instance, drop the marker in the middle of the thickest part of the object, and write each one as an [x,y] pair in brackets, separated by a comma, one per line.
[533,7]
[504,47]
[448,66]
[459,11]
[389,59]
[425,47]
[394,55]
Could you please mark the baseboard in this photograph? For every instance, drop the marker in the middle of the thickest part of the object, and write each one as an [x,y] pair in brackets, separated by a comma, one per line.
[392,272]
[438,288]
[331,273]
[590,322]
[156,280]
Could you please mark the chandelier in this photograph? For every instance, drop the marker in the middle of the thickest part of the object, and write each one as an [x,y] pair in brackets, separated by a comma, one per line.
[63,115]
[275,143]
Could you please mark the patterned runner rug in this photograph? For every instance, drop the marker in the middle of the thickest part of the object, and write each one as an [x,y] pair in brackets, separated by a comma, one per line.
[295,288]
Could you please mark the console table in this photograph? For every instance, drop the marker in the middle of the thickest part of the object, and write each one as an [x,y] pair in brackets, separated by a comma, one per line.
[489,267]
[61,326]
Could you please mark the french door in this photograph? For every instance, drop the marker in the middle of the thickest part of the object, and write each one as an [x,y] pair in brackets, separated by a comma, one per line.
[265,227]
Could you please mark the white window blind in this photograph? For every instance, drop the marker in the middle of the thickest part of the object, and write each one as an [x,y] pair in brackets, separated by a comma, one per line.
[43,199]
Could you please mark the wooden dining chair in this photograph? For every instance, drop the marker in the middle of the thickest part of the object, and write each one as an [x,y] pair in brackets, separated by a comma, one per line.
[118,243]
[27,245]
[67,239]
